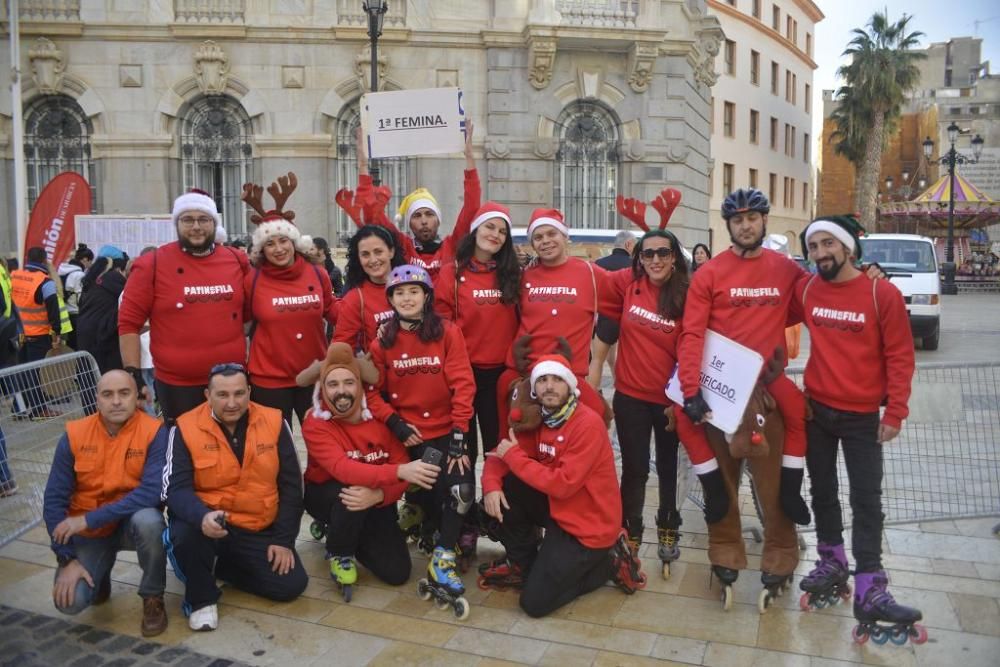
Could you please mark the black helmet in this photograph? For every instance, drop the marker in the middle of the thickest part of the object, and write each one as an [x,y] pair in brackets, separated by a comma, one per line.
[743,200]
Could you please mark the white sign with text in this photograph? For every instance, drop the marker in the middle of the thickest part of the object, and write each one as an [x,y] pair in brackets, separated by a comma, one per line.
[399,123]
[130,233]
[729,372]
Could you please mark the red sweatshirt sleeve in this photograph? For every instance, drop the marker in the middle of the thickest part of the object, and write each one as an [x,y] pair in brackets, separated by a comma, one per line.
[348,318]
[563,479]
[473,194]
[697,308]
[137,299]
[379,408]
[444,292]
[897,345]
[458,373]
[495,468]
[611,294]
[397,457]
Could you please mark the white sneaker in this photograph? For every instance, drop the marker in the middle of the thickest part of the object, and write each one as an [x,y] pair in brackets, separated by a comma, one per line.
[206,618]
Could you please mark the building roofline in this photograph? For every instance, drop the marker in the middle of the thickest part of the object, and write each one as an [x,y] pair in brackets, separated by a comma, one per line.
[766,30]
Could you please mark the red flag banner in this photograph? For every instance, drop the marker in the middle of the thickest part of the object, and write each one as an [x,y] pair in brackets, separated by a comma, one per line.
[52,220]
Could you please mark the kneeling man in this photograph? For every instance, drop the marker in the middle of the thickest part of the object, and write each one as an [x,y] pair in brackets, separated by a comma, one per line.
[103,495]
[235,498]
[560,477]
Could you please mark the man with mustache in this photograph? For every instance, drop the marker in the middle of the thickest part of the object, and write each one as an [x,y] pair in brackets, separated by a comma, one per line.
[356,472]
[191,287]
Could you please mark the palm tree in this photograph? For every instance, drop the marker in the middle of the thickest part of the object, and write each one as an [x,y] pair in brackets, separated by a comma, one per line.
[850,134]
[881,72]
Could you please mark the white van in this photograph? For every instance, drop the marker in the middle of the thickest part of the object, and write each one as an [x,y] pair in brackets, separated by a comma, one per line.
[586,243]
[911,265]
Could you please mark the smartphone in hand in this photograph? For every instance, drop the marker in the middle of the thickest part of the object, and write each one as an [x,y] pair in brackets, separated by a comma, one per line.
[432,456]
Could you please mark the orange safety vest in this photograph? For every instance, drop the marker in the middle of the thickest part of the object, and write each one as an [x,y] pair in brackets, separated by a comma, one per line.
[107,467]
[249,495]
[34,317]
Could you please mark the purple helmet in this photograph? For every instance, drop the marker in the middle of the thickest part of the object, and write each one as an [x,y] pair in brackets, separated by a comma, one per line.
[408,274]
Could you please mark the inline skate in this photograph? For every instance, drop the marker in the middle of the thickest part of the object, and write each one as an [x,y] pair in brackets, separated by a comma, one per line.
[775,586]
[344,571]
[727,577]
[467,541]
[626,568]
[443,584]
[500,575]
[880,617]
[411,517]
[667,537]
[826,585]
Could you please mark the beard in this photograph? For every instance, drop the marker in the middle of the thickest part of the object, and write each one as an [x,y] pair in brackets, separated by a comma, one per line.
[831,270]
[753,246]
[338,402]
[197,247]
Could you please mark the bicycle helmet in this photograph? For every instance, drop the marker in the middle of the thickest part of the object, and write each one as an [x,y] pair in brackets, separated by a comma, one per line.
[743,200]
[406,274]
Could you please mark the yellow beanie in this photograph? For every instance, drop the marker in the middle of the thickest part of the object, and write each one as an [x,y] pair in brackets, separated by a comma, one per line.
[419,198]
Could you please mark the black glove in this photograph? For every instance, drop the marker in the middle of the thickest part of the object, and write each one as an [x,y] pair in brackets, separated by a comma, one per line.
[790,496]
[399,428]
[136,374]
[696,408]
[456,448]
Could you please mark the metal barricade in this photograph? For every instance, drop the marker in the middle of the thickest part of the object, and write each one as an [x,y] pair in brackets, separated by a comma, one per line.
[38,398]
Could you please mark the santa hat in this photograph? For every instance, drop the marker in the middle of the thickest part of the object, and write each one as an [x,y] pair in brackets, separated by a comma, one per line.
[554,364]
[419,198]
[547,216]
[195,200]
[339,355]
[843,228]
[276,222]
[489,211]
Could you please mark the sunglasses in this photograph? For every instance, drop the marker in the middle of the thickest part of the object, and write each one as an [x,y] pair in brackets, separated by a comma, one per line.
[662,253]
[228,368]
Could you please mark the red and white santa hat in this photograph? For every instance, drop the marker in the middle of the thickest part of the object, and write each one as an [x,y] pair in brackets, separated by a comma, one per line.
[489,211]
[195,200]
[547,216]
[555,364]
[273,225]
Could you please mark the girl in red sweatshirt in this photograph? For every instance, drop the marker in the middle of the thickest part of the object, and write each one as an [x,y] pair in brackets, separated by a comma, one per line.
[371,254]
[289,301]
[424,370]
[479,293]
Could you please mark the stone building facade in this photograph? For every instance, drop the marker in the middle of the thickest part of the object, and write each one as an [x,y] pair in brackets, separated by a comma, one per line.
[574,101]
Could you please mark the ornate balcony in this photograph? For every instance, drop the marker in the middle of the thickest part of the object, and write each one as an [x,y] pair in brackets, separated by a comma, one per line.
[599,13]
[209,12]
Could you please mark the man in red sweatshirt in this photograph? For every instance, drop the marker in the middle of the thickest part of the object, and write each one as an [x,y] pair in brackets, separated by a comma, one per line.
[191,292]
[356,472]
[855,323]
[562,478]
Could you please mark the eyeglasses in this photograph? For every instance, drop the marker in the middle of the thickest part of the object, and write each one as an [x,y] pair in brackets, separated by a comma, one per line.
[191,222]
[227,369]
[662,253]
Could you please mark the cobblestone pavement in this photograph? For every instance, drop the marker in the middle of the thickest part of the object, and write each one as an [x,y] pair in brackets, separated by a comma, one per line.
[32,640]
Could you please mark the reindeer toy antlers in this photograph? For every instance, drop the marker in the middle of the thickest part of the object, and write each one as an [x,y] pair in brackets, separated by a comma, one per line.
[280,191]
[633,209]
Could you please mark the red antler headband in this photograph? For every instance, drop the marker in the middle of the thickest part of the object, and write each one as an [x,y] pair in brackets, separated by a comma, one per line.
[665,204]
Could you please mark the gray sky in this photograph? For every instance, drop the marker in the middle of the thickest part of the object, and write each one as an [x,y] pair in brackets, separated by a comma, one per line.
[939,20]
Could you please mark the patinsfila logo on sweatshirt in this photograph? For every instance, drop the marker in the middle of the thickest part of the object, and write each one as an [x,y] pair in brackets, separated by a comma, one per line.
[207,293]
[486,297]
[374,454]
[546,452]
[304,302]
[384,316]
[845,320]
[552,293]
[744,297]
[413,365]
[648,318]
[433,265]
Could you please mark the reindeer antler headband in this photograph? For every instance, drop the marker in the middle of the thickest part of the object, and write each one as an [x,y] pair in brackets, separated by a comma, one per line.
[633,209]
[280,191]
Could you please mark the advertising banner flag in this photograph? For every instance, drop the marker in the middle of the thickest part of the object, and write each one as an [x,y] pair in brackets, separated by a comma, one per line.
[52,221]
[413,122]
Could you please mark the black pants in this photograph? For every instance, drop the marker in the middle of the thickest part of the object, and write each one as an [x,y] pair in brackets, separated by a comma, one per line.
[175,400]
[286,399]
[372,535]
[857,433]
[634,420]
[439,504]
[34,348]
[484,406]
[559,569]
[240,559]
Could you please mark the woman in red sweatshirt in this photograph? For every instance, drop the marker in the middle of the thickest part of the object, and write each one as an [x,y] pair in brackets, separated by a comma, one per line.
[371,254]
[289,301]
[479,292]
[424,370]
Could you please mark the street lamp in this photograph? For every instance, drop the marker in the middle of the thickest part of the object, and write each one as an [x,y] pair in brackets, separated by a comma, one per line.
[952,158]
[375,9]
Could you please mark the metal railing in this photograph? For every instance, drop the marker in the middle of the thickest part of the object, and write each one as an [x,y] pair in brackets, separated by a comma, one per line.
[36,401]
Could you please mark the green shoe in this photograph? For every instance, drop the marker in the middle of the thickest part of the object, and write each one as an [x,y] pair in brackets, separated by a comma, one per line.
[343,570]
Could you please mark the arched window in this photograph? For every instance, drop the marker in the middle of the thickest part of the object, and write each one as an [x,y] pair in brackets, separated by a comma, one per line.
[57,139]
[217,155]
[587,165]
[394,172]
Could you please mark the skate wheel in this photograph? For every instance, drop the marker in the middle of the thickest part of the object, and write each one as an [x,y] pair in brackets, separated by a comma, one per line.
[918,634]
[317,530]
[764,601]
[804,602]
[441,604]
[859,634]
[461,608]
[880,636]
[846,593]
[423,590]
[347,591]
[727,597]
[666,571]
[898,635]
[482,583]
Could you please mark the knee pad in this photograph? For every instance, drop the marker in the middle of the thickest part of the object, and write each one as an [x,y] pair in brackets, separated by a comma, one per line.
[462,497]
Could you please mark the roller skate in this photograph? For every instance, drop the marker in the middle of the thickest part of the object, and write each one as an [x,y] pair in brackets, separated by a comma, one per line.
[727,577]
[667,536]
[467,541]
[500,575]
[775,586]
[318,530]
[827,584]
[633,536]
[489,527]
[443,584]
[626,568]
[411,517]
[344,571]
[873,603]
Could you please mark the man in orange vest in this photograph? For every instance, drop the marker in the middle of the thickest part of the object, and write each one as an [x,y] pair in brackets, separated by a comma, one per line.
[103,495]
[37,301]
[234,491]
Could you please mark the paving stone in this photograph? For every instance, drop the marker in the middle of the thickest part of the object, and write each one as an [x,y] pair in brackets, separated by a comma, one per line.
[120,662]
[147,648]
[119,644]
[13,618]
[36,622]
[96,636]
[171,654]
[91,660]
